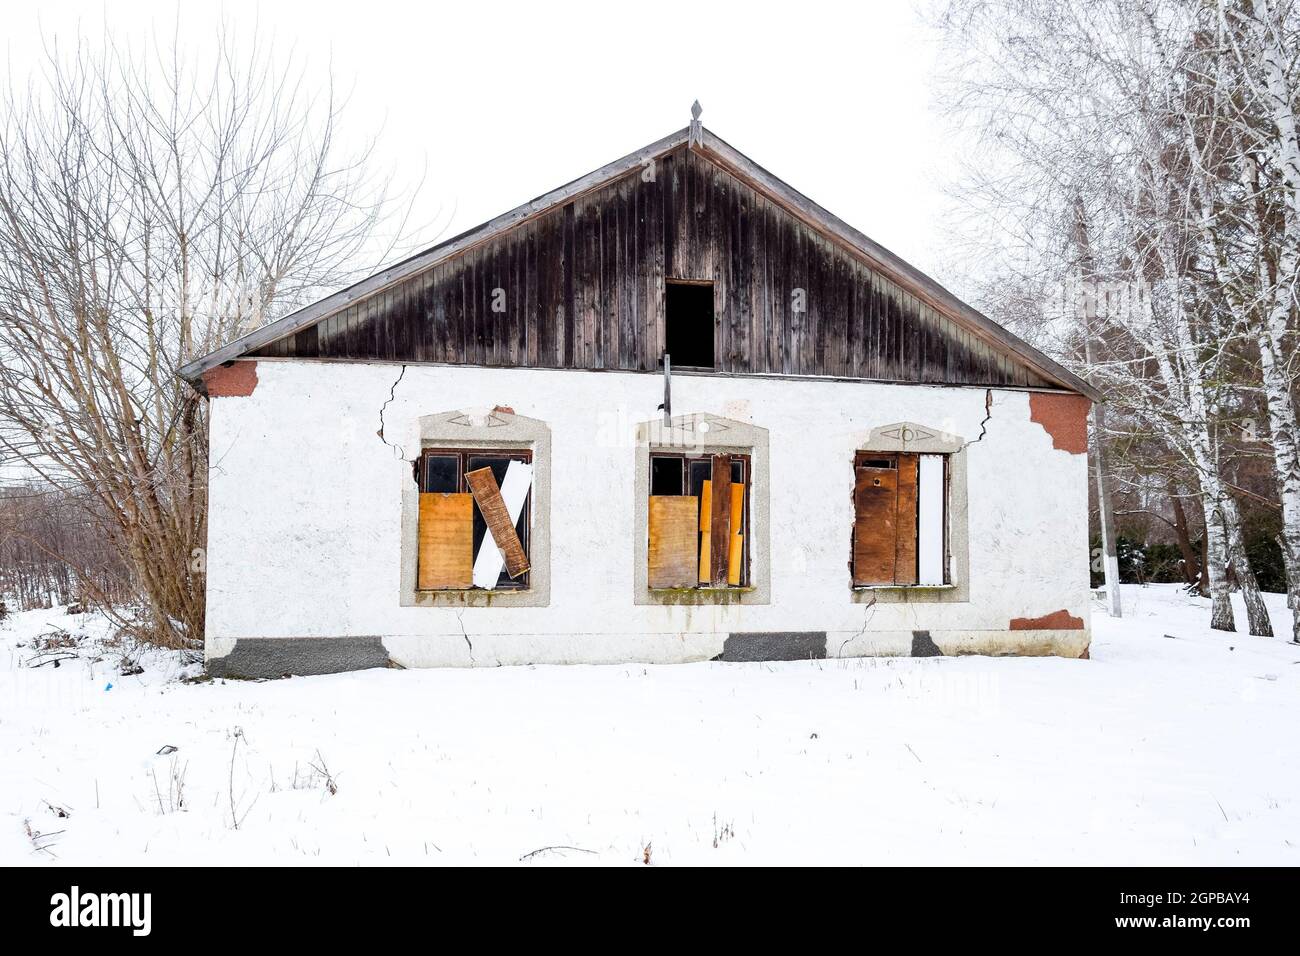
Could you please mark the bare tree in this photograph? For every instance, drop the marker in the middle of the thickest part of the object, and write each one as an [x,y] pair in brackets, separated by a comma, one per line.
[154,203]
[38,528]
[1122,116]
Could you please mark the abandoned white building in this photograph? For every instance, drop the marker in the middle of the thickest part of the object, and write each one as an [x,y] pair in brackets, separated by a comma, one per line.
[478,457]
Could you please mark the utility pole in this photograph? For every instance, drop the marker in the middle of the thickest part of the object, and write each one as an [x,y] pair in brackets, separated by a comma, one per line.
[667,406]
[1106,516]
[1096,449]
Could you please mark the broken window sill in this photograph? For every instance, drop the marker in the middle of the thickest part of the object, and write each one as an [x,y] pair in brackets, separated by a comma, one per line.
[471,590]
[904,587]
[747,589]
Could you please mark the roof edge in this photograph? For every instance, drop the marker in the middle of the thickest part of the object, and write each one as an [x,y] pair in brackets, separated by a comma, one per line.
[893,266]
[397,272]
[718,151]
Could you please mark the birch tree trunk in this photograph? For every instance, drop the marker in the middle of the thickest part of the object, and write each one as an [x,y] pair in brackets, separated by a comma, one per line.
[1270,59]
[1286,459]
[1256,611]
[1199,447]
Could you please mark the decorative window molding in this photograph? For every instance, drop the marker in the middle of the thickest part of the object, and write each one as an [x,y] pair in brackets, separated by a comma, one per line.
[493,429]
[912,438]
[701,434]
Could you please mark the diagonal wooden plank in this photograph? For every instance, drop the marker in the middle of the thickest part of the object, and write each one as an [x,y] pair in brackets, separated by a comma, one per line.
[497,515]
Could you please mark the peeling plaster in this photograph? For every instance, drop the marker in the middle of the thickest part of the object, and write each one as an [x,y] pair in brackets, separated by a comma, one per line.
[1064,417]
[1061,620]
[774,646]
[261,658]
[923,645]
[236,380]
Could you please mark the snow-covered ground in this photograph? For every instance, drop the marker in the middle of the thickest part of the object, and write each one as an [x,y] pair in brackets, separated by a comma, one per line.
[1173,745]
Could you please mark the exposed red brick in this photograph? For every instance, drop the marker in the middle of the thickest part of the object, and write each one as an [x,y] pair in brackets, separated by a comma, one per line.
[504,408]
[1064,417]
[238,378]
[1085,656]
[1060,620]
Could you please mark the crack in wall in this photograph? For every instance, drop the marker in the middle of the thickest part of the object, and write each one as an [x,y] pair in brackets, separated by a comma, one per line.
[463,633]
[868,614]
[392,393]
[988,415]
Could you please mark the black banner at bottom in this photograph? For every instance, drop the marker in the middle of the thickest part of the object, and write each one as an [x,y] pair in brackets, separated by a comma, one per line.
[134,906]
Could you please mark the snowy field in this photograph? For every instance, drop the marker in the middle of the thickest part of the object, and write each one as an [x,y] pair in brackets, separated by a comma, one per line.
[1173,745]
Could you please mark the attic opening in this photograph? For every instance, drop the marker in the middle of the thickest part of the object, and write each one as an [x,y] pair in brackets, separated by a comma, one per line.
[688,323]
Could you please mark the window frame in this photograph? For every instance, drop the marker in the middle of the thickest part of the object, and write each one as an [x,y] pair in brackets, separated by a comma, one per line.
[487,431]
[877,459]
[703,432]
[525,455]
[921,439]
[745,460]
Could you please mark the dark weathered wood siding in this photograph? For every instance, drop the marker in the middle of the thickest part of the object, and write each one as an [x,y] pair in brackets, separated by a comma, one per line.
[583,287]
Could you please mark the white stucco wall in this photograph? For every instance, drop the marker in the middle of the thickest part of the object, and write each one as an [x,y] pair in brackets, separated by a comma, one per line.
[304,535]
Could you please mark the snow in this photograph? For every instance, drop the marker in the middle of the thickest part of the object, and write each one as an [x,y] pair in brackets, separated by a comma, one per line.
[1174,744]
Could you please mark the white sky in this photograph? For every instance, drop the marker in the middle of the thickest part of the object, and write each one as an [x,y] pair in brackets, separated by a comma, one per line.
[495,103]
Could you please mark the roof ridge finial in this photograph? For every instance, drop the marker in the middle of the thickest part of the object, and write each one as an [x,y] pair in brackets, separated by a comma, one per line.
[695,134]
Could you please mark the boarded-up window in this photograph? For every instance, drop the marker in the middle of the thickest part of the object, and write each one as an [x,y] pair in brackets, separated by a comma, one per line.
[899,520]
[698,521]
[462,492]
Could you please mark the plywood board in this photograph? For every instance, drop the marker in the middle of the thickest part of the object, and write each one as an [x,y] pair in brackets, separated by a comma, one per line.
[501,508]
[875,500]
[736,553]
[674,527]
[931,556]
[905,563]
[706,539]
[446,542]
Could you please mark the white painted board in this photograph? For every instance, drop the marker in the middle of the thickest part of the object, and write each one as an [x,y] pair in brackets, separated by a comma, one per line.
[514,491]
[930,494]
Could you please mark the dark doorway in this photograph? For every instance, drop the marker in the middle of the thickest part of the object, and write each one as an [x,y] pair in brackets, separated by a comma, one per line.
[689,324]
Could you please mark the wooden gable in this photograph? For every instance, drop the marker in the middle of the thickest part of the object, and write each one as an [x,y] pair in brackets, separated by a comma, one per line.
[581,285]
